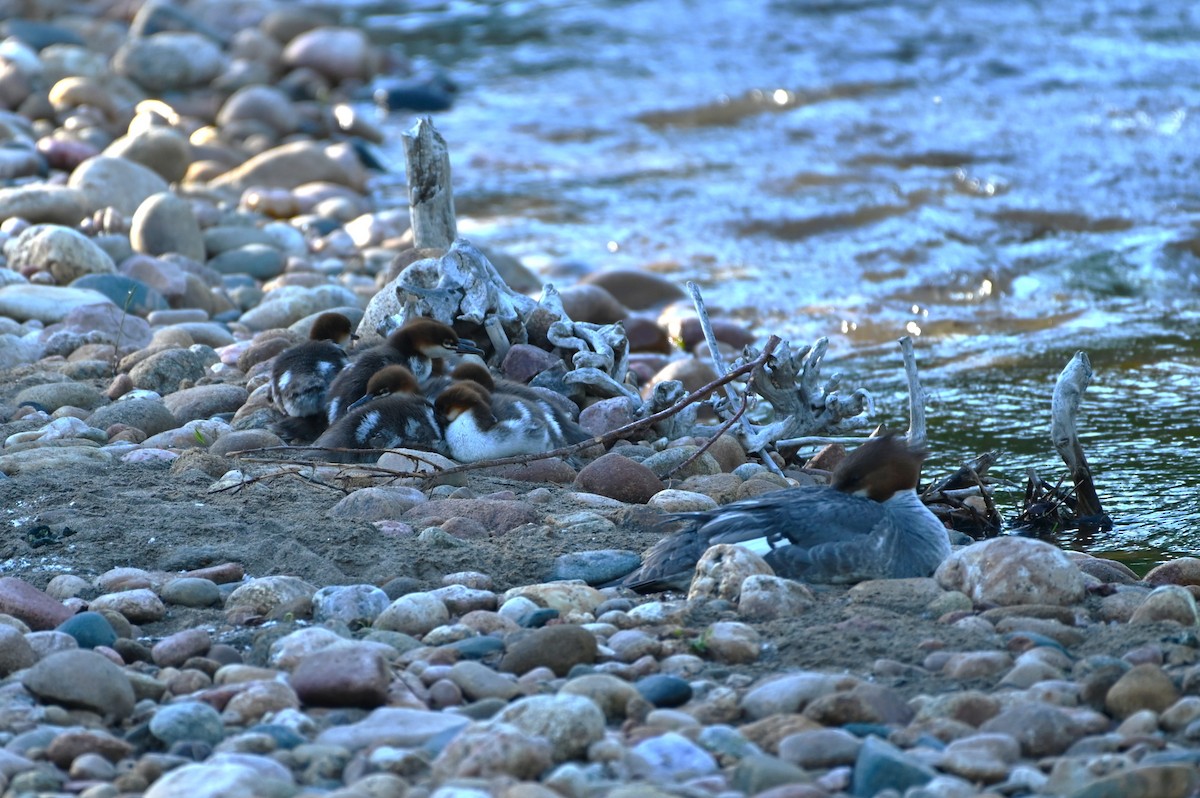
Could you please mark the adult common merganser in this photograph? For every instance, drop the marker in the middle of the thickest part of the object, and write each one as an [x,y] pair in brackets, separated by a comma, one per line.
[481,425]
[868,523]
[415,346]
[393,414]
[301,375]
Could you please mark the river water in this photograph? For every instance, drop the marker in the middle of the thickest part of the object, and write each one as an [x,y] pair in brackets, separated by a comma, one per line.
[1006,182]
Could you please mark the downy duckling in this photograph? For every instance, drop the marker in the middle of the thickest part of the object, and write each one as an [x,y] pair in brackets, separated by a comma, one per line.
[393,414]
[301,375]
[480,425]
[415,346]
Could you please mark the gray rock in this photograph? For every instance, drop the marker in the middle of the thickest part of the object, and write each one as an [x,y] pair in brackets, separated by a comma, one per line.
[1041,729]
[52,395]
[188,720]
[559,648]
[81,679]
[377,504]
[414,614]
[166,223]
[820,748]
[151,416]
[160,148]
[115,182]
[169,61]
[670,758]
[881,765]
[493,750]
[219,780]
[595,567]
[42,203]
[90,629]
[353,605]
[403,728]
[205,401]
[133,297]
[257,260]
[48,304]
[244,440]
[569,723]
[188,591]
[478,681]
[64,252]
[263,597]
[15,651]
[163,371]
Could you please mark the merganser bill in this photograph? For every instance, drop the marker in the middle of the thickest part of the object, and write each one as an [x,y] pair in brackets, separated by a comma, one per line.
[392,415]
[481,425]
[868,523]
[415,346]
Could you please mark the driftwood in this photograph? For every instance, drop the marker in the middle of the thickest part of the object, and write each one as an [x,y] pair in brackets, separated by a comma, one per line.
[1068,395]
[430,199]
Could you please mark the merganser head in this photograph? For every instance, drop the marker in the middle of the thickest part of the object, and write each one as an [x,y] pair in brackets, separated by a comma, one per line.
[432,339]
[880,468]
[474,372]
[332,327]
[465,397]
[389,380]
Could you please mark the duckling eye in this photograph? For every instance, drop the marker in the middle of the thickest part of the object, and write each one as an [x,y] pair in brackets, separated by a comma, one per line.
[449,343]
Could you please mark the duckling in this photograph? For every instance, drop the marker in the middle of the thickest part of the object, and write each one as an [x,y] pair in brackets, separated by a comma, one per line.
[555,405]
[415,346]
[481,425]
[392,414]
[301,375]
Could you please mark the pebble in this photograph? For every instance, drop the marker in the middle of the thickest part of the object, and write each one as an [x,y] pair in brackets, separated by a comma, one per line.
[595,567]
[617,477]
[32,606]
[81,678]
[342,676]
[354,605]
[89,629]
[187,720]
[1013,570]
[569,723]
[559,648]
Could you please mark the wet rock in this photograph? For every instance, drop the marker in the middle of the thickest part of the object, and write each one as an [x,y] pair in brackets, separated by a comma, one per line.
[342,676]
[1013,570]
[558,648]
[1180,571]
[617,477]
[81,679]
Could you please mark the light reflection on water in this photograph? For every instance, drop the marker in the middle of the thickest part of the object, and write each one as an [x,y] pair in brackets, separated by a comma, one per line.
[822,168]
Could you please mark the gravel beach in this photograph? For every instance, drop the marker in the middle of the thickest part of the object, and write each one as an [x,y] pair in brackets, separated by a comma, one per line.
[183,191]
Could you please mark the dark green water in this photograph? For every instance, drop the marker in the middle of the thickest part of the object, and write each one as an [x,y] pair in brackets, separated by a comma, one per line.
[1006,182]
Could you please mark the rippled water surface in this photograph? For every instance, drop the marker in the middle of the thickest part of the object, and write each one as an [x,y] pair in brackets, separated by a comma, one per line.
[1008,182]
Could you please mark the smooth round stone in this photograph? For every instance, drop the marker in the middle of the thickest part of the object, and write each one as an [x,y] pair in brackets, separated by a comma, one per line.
[377,504]
[285,307]
[48,304]
[81,679]
[22,600]
[595,567]
[618,477]
[163,371]
[116,182]
[166,318]
[569,723]
[169,61]
[354,605]
[671,460]
[262,597]
[415,614]
[190,591]
[90,629]
[1013,570]
[664,691]
[187,720]
[257,260]
[559,648]
[166,223]
[43,204]
[139,606]
[132,296]
[476,648]
[336,53]
[244,440]
[681,501]
[205,401]
[163,150]
[53,395]
[222,238]
[268,105]
[15,651]
[670,757]
[881,765]
[354,675]
[208,333]
[66,253]
[151,416]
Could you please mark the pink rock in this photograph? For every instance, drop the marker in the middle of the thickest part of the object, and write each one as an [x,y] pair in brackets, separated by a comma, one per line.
[24,601]
[617,477]
[524,362]
[342,676]
[337,53]
[179,647]
[607,415]
[1012,570]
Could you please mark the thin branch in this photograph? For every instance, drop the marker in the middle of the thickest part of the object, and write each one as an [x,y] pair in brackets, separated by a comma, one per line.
[1068,395]
[721,431]
[714,352]
[820,440]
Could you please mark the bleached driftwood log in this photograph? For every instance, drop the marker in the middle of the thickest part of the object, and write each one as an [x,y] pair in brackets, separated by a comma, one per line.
[430,198]
[916,395]
[1064,409]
